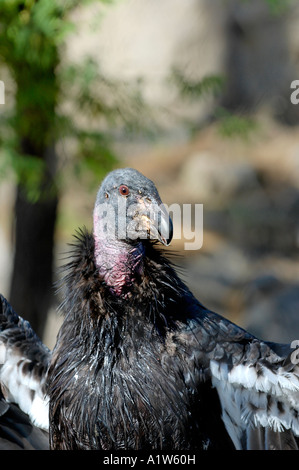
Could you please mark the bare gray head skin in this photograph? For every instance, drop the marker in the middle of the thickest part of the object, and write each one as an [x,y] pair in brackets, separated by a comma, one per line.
[127,211]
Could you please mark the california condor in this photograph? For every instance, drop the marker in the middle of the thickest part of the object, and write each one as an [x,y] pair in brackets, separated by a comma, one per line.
[139,362]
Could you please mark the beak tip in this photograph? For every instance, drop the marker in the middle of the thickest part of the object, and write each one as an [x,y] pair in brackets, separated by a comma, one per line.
[168,231]
[157,223]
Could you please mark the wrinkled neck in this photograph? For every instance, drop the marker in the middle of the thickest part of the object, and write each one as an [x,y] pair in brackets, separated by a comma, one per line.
[118,262]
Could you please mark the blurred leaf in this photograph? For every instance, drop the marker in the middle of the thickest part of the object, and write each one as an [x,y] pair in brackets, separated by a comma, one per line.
[207,86]
[276,7]
[93,157]
[233,125]
[31,35]
[28,169]
[230,124]
[120,104]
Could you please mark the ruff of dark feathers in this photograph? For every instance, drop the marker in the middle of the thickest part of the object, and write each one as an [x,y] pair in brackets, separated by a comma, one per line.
[117,379]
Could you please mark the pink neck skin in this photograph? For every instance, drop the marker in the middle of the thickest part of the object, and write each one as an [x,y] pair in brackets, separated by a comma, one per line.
[118,262]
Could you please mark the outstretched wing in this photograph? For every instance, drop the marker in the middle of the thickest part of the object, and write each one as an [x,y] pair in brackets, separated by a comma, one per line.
[16,430]
[257,383]
[24,361]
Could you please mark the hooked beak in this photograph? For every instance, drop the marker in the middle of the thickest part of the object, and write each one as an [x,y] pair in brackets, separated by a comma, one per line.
[165,227]
[155,222]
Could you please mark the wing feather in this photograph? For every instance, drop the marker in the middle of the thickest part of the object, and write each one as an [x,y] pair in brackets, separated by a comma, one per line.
[260,394]
[257,382]
[24,362]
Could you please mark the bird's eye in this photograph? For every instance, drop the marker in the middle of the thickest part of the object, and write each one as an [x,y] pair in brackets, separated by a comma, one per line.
[124,190]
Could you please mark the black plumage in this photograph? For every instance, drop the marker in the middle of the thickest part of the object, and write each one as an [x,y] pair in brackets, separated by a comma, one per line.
[138,359]
[139,362]
[17,431]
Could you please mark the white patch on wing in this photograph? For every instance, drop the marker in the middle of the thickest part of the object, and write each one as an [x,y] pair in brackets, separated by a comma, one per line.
[243,375]
[23,388]
[231,411]
[2,353]
[39,412]
[256,398]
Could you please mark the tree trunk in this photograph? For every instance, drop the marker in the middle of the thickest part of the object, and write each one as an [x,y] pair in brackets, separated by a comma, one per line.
[31,291]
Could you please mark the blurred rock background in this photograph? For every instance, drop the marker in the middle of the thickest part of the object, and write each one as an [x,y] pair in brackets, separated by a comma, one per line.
[234,146]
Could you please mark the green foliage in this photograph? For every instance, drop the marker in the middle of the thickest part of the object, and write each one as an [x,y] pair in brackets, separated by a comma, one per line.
[234,125]
[93,94]
[29,171]
[31,31]
[93,156]
[230,125]
[210,85]
[99,106]
[278,7]
[32,39]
